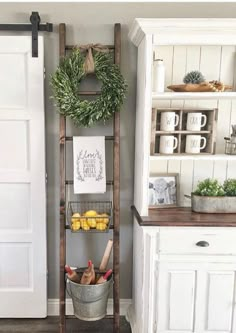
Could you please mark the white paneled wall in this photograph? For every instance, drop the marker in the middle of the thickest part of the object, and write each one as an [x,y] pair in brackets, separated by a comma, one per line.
[192,171]
[215,63]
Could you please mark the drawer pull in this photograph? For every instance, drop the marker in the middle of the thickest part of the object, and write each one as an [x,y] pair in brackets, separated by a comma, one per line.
[202,244]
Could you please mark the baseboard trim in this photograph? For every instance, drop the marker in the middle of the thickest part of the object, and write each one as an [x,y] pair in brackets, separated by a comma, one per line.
[130,318]
[53,306]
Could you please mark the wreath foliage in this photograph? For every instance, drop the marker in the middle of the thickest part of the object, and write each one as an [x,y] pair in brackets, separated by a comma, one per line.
[65,84]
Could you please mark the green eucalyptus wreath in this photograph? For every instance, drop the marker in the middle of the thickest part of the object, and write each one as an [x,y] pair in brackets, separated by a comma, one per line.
[66,80]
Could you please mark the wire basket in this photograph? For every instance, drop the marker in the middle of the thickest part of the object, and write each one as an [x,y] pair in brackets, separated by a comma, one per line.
[230,148]
[89,216]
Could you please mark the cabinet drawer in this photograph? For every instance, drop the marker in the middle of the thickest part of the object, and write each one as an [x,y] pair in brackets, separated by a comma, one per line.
[197,242]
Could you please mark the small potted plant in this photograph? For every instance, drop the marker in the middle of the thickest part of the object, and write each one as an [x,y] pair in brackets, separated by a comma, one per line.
[194,81]
[212,197]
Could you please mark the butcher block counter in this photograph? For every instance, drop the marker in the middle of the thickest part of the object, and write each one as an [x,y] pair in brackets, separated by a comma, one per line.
[183,217]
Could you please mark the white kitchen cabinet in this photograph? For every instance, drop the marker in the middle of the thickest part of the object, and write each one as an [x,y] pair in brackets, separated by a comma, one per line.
[179,286]
[176,285]
[195,297]
[215,306]
[183,292]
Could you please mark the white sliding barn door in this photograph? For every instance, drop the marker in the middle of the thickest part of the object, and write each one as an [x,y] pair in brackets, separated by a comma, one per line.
[23,273]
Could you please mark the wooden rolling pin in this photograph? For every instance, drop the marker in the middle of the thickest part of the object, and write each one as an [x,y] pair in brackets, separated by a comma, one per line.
[72,275]
[106,256]
[104,278]
[88,276]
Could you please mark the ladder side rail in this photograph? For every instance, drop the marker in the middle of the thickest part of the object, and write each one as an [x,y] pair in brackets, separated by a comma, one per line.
[62,43]
[116,194]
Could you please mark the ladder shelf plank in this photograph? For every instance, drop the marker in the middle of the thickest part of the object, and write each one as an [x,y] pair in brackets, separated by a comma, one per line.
[71,47]
[71,182]
[107,138]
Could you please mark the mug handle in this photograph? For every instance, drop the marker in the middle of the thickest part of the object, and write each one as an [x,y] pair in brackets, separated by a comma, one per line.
[204,142]
[176,119]
[176,143]
[204,117]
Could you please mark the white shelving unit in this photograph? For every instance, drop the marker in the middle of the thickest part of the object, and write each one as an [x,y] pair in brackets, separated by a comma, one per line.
[177,285]
[216,157]
[190,96]
[184,45]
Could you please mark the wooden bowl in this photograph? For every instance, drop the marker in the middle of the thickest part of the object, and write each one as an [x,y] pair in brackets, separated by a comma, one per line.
[202,87]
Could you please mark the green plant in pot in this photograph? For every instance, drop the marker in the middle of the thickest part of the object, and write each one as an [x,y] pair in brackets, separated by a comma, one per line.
[209,187]
[212,197]
[230,187]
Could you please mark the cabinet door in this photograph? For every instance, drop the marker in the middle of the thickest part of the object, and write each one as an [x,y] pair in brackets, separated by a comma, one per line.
[176,296]
[215,299]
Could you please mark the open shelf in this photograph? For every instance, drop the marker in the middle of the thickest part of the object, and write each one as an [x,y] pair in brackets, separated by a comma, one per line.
[181,132]
[180,129]
[201,156]
[193,95]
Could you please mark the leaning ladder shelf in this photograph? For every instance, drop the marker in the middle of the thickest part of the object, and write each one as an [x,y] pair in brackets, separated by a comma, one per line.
[116,48]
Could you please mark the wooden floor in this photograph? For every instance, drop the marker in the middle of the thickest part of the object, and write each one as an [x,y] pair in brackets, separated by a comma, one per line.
[51,325]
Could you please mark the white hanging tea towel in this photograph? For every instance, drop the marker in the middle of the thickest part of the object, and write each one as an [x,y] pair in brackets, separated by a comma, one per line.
[89,164]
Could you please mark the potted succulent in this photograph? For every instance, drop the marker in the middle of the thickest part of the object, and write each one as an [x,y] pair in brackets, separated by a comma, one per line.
[212,197]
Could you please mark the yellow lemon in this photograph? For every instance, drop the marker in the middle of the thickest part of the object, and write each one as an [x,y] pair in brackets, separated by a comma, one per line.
[90,213]
[75,226]
[86,227]
[92,223]
[101,226]
[84,224]
[99,219]
[105,218]
[75,217]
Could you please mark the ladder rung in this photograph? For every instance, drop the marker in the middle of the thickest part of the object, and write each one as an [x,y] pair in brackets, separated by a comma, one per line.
[89,93]
[74,317]
[71,47]
[107,138]
[71,182]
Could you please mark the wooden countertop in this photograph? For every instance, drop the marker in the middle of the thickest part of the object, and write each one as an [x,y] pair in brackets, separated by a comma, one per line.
[182,216]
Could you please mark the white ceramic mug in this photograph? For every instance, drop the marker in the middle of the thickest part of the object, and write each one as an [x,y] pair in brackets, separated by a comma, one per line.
[195,121]
[169,120]
[168,143]
[193,144]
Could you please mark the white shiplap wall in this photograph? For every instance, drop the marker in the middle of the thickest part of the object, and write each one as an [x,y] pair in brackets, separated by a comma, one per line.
[191,171]
[216,63]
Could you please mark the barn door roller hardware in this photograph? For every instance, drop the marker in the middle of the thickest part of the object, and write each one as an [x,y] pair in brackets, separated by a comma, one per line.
[35,27]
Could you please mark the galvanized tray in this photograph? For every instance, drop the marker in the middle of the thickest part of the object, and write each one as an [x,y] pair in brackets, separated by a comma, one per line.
[204,204]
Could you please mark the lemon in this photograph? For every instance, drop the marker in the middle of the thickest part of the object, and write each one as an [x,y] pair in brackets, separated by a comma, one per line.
[92,223]
[75,217]
[105,218]
[75,226]
[90,213]
[86,227]
[84,224]
[99,218]
[101,226]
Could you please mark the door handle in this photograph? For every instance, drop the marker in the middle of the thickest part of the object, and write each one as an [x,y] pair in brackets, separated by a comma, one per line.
[202,244]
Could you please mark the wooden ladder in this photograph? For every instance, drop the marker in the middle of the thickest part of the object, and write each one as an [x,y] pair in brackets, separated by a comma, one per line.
[116,48]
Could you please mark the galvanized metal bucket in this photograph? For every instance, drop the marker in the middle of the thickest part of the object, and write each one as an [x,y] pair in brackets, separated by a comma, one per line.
[89,301]
[203,204]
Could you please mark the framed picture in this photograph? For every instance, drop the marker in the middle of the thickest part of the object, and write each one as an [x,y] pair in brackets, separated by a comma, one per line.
[163,190]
